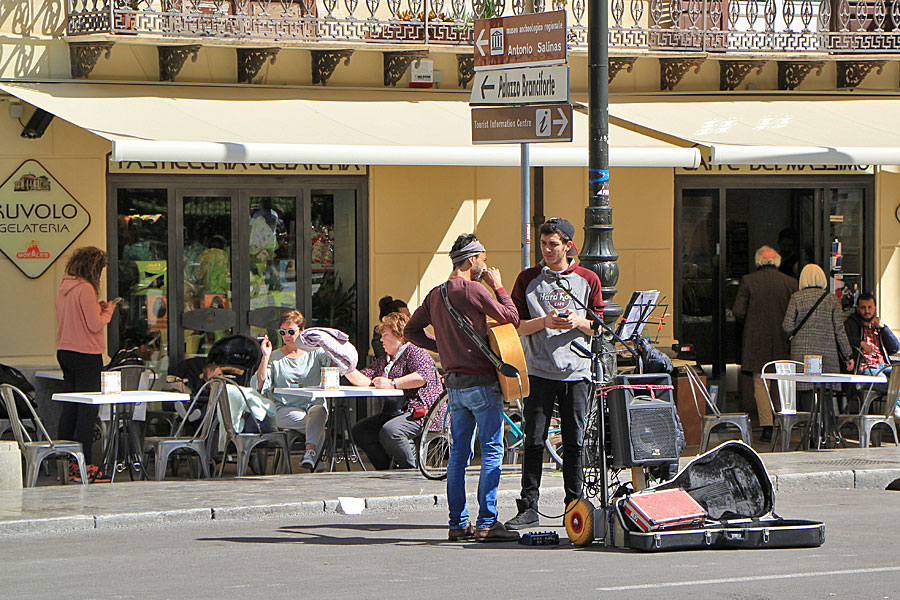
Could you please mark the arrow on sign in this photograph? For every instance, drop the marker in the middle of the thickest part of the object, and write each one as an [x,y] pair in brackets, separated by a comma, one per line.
[481,42]
[562,121]
[485,86]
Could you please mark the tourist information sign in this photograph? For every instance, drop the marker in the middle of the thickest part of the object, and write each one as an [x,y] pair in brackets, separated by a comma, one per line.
[521,40]
[513,124]
[521,85]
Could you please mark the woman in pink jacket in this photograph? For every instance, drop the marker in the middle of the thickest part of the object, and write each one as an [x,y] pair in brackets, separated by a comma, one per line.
[80,319]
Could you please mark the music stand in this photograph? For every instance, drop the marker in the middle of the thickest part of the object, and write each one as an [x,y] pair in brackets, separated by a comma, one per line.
[636,314]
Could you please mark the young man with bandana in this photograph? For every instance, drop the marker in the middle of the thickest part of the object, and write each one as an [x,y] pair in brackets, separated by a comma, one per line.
[550,322]
[471,381]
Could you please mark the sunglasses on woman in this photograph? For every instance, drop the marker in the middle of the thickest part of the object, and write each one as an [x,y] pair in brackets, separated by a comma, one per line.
[288,331]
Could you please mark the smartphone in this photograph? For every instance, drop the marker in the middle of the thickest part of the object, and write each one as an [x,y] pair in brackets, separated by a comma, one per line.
[564,314]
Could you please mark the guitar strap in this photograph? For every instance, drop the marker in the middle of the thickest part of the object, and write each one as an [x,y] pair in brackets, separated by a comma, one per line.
[506,369]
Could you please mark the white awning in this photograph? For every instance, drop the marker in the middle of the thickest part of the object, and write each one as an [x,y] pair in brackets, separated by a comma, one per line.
[157,122]
[805,130]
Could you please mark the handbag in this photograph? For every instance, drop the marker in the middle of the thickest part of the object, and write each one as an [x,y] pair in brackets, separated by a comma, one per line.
[803,321]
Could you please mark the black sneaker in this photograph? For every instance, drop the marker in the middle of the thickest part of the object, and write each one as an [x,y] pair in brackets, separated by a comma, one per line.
[526,518]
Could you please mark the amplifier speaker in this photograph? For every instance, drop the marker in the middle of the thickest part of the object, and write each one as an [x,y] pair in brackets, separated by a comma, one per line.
[643,428]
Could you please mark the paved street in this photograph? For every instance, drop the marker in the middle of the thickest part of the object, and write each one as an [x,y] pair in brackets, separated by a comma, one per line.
[403,555]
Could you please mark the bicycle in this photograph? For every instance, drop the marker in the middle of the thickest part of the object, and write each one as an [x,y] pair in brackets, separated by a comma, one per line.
[433,449]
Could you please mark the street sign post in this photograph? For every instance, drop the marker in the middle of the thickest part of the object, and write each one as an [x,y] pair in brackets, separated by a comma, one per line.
[513,124]
[521,85]
[520,40]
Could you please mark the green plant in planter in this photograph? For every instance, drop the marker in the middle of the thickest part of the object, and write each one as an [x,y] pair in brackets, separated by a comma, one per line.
[334,306]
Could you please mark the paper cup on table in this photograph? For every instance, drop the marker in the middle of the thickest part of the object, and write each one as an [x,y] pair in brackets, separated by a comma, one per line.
[110,382]
[812,364]
[331,378]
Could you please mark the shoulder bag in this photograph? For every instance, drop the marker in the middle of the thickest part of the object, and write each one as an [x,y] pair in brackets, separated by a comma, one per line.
[808,315]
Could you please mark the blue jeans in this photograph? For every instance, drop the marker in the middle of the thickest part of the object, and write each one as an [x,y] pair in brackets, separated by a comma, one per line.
[470,407]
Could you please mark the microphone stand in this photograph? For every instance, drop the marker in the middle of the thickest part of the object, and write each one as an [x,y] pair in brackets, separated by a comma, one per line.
[595,354]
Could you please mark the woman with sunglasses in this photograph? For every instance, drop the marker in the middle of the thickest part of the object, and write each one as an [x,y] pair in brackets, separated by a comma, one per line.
[289,366]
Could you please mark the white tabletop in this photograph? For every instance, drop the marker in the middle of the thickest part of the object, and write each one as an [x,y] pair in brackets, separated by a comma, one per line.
[826,378]
[55,374]
[345,391]
[133,397]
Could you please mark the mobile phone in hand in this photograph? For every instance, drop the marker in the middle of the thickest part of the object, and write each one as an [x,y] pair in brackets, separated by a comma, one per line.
[564,314]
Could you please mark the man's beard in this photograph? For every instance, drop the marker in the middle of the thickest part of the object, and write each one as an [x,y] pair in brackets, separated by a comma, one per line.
[477,272]
[865,320]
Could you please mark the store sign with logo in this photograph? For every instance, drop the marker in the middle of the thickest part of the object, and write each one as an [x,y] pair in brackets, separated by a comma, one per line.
[39,219]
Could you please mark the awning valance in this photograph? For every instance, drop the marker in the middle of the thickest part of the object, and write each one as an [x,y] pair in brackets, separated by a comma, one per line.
[806,130]
[157,122]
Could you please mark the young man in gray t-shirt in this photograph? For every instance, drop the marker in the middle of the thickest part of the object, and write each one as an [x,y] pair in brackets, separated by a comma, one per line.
[549,322]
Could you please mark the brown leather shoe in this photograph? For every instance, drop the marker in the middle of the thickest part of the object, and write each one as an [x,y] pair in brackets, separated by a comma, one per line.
[464,533]
[495,533]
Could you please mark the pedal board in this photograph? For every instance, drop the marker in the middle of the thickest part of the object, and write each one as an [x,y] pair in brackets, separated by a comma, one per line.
[539,538]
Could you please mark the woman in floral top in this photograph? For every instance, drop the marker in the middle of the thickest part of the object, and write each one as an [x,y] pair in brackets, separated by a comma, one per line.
[388,437]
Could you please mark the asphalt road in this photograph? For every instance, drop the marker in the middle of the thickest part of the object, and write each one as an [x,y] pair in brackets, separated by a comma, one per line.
[405,556]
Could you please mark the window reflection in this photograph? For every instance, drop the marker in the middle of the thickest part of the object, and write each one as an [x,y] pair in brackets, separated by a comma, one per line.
[333,249]
[142,230]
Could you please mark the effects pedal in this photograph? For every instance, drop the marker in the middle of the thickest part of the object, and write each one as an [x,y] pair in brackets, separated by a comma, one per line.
[539,538]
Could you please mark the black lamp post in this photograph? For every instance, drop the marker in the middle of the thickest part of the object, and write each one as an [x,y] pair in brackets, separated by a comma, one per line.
[598,253]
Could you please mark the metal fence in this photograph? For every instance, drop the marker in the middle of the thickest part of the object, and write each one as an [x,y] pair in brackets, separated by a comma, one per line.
[742,26]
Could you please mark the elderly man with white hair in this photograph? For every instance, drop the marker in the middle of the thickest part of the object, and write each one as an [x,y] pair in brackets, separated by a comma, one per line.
[761,302]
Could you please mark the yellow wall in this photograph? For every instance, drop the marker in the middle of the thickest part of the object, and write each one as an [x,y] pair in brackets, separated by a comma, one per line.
[887,244]
[77,160]
[417,212]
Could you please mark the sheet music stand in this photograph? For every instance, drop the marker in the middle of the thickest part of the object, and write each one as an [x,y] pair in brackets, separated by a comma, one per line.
[637,313]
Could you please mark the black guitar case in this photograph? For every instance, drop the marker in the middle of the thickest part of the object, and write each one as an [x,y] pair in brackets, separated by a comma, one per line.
[731,483]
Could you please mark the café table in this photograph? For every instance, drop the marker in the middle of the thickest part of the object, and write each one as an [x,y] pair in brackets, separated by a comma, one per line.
[338,419]
[822,426]
[122,407]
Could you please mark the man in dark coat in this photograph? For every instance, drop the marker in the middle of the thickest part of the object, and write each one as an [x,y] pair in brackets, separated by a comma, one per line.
[761,302]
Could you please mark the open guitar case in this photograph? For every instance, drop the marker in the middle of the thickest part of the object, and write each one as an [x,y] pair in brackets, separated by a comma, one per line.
[731,483]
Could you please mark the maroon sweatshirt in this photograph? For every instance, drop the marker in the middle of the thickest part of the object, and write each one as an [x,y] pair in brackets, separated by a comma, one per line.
[473,301]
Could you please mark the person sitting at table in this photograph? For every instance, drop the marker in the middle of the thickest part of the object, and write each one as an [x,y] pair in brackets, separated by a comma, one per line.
[823,331]
[386,306]
[872,341]
[291,366]
[388,436]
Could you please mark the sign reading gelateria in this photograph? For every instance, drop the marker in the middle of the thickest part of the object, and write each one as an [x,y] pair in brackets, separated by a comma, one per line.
[201,168]
[39,219]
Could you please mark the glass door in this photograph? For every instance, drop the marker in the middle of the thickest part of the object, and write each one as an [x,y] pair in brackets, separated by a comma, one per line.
[206,274]
[271,269]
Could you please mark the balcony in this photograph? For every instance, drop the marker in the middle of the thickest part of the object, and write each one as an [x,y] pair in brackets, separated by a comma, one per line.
[751,27]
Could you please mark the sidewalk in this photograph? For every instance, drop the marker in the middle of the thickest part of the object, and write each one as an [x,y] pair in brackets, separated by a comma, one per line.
[52,509]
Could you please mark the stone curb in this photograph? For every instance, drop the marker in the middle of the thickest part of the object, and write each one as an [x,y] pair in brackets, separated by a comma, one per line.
[870,479]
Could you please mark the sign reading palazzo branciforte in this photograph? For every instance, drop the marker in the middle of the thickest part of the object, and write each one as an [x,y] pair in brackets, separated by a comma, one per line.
[39,219]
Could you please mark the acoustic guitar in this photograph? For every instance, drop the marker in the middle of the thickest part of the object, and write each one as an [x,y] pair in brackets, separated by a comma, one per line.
[505,342]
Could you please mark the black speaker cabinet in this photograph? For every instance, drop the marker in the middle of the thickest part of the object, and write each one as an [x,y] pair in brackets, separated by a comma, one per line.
[642,421]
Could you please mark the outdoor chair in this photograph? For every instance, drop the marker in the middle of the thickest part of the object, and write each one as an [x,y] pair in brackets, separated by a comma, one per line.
[162,448]
[34,452]
[245,443]
[784,422]
[865,422]
[709,422]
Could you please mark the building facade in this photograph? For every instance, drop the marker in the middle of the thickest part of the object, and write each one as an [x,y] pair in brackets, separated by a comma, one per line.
[239,158]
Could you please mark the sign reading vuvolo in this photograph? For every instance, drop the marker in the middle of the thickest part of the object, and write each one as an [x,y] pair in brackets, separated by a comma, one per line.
[39,219]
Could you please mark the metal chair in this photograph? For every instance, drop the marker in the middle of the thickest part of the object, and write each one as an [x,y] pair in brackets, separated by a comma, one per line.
[709,422]
[865,422]
[245,443]
[36,451]
[784,423]
[162,448]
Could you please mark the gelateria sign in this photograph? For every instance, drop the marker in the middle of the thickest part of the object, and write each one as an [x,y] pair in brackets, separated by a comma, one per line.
[39,219]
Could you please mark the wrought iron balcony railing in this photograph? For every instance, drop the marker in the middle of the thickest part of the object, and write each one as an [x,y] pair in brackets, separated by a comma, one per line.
[739,26]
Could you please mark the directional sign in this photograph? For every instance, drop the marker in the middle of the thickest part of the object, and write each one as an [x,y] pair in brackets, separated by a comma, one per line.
[522,40]
[522,85]
[512,124]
